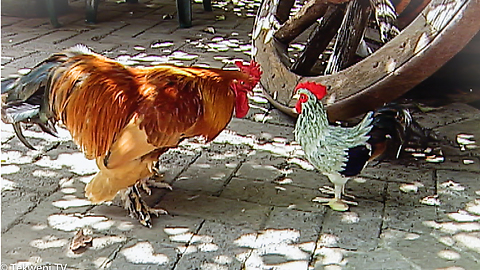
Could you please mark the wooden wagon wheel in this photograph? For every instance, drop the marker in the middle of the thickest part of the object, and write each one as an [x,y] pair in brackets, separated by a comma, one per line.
[434,32]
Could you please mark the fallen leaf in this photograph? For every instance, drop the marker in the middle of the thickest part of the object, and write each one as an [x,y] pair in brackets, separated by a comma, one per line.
[210,30]
[80,240]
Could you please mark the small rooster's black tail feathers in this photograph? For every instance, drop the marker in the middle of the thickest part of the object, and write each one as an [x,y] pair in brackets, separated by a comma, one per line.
[394,125]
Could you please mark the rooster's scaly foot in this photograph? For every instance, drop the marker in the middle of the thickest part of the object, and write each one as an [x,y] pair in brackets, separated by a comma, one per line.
[335,204]
[147,183]
[138,209]
[330,190]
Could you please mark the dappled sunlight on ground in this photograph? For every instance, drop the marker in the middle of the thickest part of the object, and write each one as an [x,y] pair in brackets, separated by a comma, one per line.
[244,159]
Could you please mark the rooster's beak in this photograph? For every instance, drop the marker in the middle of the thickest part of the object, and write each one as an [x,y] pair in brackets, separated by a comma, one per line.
[296,96]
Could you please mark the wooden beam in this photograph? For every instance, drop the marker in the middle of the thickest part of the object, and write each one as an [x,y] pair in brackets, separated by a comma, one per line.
[284,8]
[319,40]
[349,36]
[306,16]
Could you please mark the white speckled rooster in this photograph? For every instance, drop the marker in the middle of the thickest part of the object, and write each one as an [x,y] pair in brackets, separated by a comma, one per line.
[342,152]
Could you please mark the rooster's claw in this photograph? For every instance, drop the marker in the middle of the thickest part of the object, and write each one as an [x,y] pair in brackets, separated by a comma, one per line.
[138,208]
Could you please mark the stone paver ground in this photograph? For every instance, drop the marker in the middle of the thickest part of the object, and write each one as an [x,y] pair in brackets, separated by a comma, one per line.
[243,201]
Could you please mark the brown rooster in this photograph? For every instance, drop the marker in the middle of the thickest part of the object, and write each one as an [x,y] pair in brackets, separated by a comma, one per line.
[126,117]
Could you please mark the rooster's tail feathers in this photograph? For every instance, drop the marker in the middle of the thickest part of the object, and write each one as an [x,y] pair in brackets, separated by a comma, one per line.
[27,97]
[394,121]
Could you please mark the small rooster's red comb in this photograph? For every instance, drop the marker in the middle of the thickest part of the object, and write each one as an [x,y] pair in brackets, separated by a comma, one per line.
[319,90]
[253,69]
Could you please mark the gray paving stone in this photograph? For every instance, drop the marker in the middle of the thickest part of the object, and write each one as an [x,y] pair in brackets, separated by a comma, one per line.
[367,189]
[446,115]
[217,246]
[66,157]
[398,173]
[359,229]
[34,178]
[15,152]
[257,129]
[7,132]
[234,212]
[378,259]
[130,30]
[18,38]
[410,194]
[174,161]
[138,254]
[307,224]
[48,246]
[409,219]
[16,203]
[168,230]
[297,176]
[262,165]
[276,117]
[455,163]
[271,194]
[429,257]
[456,189]
[213,168]
[30,60]
[68,200]
[470,126]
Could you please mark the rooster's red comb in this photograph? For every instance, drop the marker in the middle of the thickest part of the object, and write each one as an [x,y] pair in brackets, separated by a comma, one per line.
[253,69]
[319,90]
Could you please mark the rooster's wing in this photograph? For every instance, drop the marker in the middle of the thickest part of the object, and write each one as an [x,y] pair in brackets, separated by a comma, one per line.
[331,151]
[173,107]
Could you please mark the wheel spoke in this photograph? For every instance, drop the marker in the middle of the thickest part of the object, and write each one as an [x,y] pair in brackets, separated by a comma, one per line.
[283,10]
[411,11]
[306,16]
[319,40]
[401,6]
[349,36]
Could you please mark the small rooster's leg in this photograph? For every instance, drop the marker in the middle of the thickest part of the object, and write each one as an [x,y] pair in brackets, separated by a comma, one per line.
[138,208]
[336,203]
[330,190]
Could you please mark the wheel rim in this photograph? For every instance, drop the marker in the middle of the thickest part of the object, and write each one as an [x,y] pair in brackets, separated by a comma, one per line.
[440,31]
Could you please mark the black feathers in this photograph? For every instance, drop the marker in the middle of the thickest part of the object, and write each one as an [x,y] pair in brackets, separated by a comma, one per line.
[357,159]
[393,128]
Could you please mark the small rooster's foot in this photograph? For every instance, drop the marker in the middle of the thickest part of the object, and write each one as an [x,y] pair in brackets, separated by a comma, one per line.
[138,209]
[147,183]
[330,190]
[335,204]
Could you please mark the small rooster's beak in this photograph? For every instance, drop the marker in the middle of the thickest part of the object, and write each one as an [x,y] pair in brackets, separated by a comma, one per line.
[296,96]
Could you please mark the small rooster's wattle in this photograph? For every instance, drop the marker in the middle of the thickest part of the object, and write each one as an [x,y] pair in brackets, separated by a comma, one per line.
[343,152]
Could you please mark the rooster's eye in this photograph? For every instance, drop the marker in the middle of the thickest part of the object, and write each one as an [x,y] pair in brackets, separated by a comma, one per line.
[242,82]
[303,98]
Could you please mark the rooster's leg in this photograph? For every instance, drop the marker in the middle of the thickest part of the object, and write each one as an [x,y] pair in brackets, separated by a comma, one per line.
[330,190]
[336,203]
[137,207]
[155,181]
[147,183]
